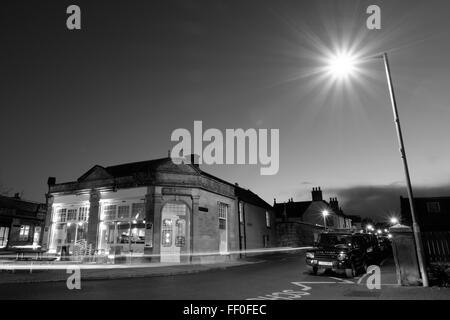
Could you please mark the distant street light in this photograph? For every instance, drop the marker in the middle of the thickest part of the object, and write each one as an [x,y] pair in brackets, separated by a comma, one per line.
[343,65]
[325,214]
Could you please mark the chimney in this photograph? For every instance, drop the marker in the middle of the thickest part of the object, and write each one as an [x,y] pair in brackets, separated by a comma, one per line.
[51,181]
[192,159]
[284,218]
[17,195]
[334,204]
[316,194]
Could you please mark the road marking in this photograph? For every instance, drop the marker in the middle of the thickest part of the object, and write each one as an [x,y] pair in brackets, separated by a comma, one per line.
[343,280]
[317,282]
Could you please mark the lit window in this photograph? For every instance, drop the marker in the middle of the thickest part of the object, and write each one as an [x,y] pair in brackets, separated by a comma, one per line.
[61,215]
[433,207]
[109,212]
[24,233]
[267,219]
[71,214]
[138,211]
[83,214]
[241,212]
[124,212]
[4,232]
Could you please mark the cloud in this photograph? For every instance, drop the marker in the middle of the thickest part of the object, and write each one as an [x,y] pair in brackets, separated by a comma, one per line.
[380,202]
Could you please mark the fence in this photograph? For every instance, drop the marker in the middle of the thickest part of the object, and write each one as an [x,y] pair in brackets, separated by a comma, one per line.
[437,246]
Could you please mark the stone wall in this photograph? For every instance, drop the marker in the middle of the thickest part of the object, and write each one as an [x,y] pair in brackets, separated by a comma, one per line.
[296,234]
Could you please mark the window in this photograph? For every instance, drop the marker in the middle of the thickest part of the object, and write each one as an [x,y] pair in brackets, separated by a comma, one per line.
[109,212]
[223,232]
[241,212]
[124,212]
[61,215]
[24,233]
[138,211]
[167,230]
[223,210]
[267,219]
[4,232]
[433,207]
[180,238]
[71,214]
[83,214]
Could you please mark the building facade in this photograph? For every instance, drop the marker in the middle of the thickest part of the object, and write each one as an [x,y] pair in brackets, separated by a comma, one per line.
[433,213]
[299,223]
[21,223]
[156,210]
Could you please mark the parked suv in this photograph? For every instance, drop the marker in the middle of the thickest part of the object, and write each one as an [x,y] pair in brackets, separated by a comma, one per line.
[373,249]
[339,252]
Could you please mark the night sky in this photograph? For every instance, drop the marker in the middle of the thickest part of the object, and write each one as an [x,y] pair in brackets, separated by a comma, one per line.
[114,91]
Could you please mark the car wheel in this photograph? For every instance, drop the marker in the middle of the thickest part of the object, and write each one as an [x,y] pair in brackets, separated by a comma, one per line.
[314,271]
[351,272]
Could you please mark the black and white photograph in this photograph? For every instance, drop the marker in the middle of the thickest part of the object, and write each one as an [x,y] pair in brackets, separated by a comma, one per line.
[228,156]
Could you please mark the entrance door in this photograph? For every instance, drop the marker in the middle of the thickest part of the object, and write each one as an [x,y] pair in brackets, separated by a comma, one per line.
[173,232]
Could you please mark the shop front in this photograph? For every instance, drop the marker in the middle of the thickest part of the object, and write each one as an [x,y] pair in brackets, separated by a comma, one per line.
[122,228]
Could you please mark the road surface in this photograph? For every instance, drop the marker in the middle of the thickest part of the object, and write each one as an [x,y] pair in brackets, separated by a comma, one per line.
[280,277]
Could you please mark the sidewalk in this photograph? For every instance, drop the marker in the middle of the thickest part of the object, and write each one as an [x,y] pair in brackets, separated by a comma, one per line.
[391,290]
[52,273]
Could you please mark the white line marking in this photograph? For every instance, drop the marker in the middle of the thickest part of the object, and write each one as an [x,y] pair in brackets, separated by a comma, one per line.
[343,280]
[317,282]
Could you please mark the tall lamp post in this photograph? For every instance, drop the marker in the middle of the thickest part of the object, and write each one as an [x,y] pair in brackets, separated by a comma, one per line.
[325,214]
[343,65]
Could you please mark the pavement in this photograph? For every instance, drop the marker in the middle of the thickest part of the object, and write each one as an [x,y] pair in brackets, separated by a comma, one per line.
[274,277]
[54,272]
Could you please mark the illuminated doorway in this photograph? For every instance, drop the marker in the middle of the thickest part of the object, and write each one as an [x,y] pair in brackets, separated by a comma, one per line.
[173,231]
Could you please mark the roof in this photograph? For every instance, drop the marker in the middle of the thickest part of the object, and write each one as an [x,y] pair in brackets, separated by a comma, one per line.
[128,169]
[21,205]
[166,164]
[248,196]
[293,209]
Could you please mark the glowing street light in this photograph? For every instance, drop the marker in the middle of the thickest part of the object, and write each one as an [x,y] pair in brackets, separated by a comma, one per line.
[325,214]
[394,220]
[343,65]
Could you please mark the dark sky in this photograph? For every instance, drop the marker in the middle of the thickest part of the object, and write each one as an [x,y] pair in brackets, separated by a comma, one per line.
[114,91]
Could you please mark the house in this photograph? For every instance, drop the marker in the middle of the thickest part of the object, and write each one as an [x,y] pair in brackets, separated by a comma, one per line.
[21,222]
[357,224]
[433,213]
[299,223]
[156,210]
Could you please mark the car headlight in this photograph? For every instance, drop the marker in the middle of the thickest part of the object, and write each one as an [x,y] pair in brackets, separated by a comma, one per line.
[341,256]
[310,255]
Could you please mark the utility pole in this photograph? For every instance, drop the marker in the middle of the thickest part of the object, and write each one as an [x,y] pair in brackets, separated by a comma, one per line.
[416,228]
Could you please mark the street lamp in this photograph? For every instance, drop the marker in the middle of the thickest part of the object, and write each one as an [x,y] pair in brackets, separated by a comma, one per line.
[343,65]
[394,220]
[325,214]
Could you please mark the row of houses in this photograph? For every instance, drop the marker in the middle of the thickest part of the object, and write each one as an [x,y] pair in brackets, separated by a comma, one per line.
[164,212]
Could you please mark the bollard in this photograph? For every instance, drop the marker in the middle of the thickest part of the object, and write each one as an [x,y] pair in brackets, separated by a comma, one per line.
[405,256]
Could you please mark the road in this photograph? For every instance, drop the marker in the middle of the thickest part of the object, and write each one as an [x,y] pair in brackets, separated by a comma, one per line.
[280,277]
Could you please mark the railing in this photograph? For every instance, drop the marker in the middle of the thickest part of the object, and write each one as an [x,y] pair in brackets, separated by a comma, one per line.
[437,246]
